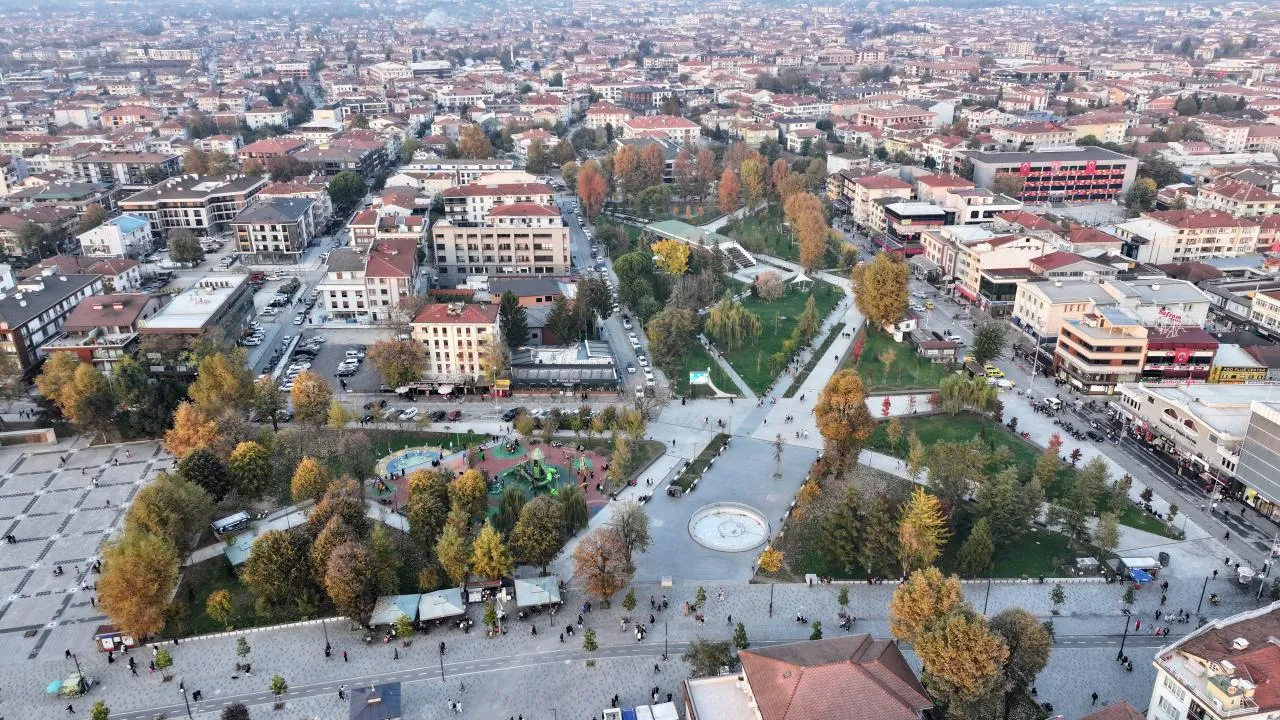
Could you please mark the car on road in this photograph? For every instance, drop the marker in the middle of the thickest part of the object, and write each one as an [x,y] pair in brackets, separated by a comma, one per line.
[437,416]
[409,414]
[993,371]
[627,324]
[644,361]
[916,307]
[1095,436]
[512,414]
[631,368]
[299,318]
[453,416]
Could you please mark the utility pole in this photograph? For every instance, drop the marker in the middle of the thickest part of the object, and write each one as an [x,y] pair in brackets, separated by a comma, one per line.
[770,599]
[1127,619]
[1202,589]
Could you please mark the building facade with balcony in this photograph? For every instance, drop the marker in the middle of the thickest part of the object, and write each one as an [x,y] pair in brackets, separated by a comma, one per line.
[1100,350]
[33,313]
[203,204]
[1087,174]
[456,337]
[517,239]
[122,236]
[275,229]
[103,329]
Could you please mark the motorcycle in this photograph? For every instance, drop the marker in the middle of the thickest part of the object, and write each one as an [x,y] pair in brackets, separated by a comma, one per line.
[1214,599]
[802,620]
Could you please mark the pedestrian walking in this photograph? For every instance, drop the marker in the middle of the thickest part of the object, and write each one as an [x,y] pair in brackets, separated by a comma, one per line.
[561,637]
[342,692]
[344,656]
[395,653]
[71,710]
[729,621]
[1094,697]
[458,707]
[656,669]
[451,704]
[1162,599]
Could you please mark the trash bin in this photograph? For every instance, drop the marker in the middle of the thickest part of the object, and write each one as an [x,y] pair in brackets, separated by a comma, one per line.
[1164,559]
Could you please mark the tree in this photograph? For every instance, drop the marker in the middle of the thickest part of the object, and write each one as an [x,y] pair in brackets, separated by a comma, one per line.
[740,640]
[961,657]
[706,658]
[589,641]
[1187,106]
[398,361]
[563,321]
[242,647]
[310,480]
[100,711]
[428,506]
[592,189]
[977,551]
[808,324]
[268,400]
[336,532]
[926,596]
[730,191]
[55,380]
[731,324]
[880,289]
[672,256]
[922,531]
[350,582]
[140,571]
[473,144]
[277,567]
[184,247]
[509,507]
[538,161]
[235,711]
[671,332]
[539,531]
[163,659]
[707,170]
[219,608]
[768,286]
[453,554]
[1141,196]
[515,324]
[1107,533]
[278,685]
[843,418]
[573,504]
[203,468]
[600,559]
[753,179]
[172,508]
[250,468]
[1028,642]
[1008,184]
[771,560]
[346,190]
[92,218]
[1007,506]
[467,494]
[808,220]
[490,558]
[283,168]
[988,342]
[816,631]
[1057,596]
[311,397]
[631,524]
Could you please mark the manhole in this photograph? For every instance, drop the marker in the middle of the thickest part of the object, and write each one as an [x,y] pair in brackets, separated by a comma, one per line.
[729,527]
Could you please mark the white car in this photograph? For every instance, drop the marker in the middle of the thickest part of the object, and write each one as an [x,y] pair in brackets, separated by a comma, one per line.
[916,307]
[299,319]
[627,324]
[644,361]
[409,414]
[631,368]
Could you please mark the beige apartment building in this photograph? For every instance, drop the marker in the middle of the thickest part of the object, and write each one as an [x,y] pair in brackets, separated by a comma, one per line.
[456,337]
[1176,236]
[984,268]
[1238,198]
[1103,348]
[862,194]
[516,239]
[1265,311]
[1040,308]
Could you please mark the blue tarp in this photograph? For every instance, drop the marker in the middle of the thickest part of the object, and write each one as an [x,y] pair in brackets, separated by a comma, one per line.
[1140,575]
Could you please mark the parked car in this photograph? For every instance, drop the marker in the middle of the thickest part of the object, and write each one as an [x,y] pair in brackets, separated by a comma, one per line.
[409,414]
[454,415]
[512,414]
[437,415]
[631,368]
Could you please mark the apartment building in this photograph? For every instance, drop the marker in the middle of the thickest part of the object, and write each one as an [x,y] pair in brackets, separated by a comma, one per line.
[678,129]
[463,171]
[863,196]
[1032,136]
[984,268]
[1103,348]
[1236,197]
[806,106]
[605,113]
[1176,236]
[370,284]
[1086,174]
[102,330]
[1041,305]
[33,312]
[275,229]
[121,236]
[515,239]
[882,117]
[1227,135]
[472,203]
[1264,312]
[126,168]
[456,337]
[203,204]
[310,189]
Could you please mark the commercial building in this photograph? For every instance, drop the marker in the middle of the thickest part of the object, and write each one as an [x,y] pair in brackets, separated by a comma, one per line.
[1040,307]
[456,337]
[1100,350]
[1086,174]
[203,204]
[35,310]
[861,197]
[275,230]
[985,269]
[516,239]
[122,236]
[103,329]
[1179,354]
[854,677]
[218,305]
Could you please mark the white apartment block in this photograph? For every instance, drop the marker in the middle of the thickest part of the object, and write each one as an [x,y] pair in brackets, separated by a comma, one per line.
[122,236]
[456,337]
[1175,236]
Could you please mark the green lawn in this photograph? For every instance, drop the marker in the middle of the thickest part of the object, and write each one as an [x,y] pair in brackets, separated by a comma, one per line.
[778,318]
[764,232]
[907,372]
[697,358]
[186,614]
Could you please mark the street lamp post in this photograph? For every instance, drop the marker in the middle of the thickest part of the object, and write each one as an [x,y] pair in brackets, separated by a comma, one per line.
[1127,619]
[183,689]
[770,599]
[1203,587]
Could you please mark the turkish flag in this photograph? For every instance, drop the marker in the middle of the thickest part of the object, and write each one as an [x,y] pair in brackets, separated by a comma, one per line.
[1025,169]
[1090,167]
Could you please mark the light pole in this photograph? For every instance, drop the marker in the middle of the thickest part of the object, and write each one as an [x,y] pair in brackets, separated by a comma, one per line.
[182,688]
[1127,619]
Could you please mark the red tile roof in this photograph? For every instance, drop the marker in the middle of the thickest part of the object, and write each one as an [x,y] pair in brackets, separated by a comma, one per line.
[660,122]
[1200,219]
[438,313]
[1055,260]
[1120,711]
[392,258]
[117,310]
[478,190]
[1028,221]
[881,182]
[1240,191]
[821,679]
[523,210]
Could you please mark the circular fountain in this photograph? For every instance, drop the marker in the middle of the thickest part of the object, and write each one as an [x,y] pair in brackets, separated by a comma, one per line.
[729,527]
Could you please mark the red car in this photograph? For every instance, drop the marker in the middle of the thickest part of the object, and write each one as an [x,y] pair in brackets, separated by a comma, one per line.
[453,415]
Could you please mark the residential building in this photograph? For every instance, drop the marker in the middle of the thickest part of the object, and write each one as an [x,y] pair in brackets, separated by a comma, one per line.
[968,206]
[203,204]
[33,313]
[797,681]
[366,158]
[103,329]
[1100,350]
[1086,174]
[463,170]
[312,188]
[986,269]
[678,129]
[456,337]
[516,239]
[369,284]
[883,117]
[605,113]
[1164,305]
[863,195]
[522,141]
[1228,135]
[118,274]
[1239,198]
[471,204]
[1264,312]
[126,168]
[1032,136]
[1041,307]
[218,306]
[275,229]
[904,222]
[1175,236]
[264,150]
[122,236]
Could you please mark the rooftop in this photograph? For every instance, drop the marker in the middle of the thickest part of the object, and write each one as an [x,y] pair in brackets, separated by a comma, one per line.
[457,313]
[1083,154]
[20,306]
[275,210]
[1230,664]
[197,187]
[193,308]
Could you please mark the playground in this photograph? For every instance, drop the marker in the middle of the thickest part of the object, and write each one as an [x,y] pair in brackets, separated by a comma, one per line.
[539,469]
